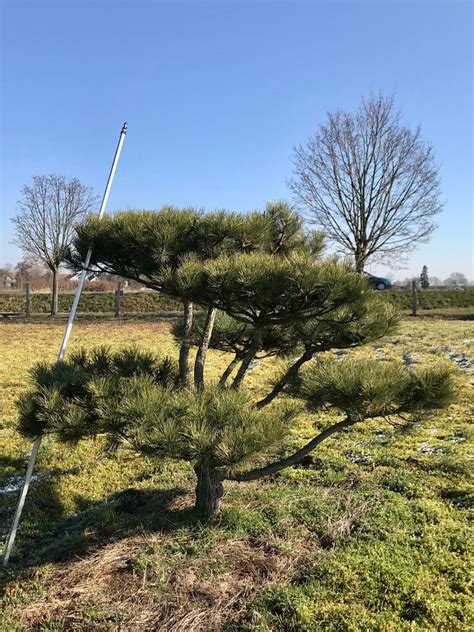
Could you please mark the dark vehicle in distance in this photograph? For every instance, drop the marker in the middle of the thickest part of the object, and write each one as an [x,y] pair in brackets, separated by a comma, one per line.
[378,283]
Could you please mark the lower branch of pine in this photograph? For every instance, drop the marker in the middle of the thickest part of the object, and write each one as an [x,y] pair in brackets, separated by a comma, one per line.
[247,359]
[243,368]
[272,468]
[291,373]
[228,371]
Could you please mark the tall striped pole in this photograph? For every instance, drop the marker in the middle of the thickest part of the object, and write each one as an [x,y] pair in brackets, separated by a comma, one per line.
[72,314]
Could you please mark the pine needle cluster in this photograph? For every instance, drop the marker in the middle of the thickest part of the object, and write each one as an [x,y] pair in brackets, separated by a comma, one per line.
[367,388]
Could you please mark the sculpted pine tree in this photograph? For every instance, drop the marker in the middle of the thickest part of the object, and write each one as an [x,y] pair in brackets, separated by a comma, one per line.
[293,304]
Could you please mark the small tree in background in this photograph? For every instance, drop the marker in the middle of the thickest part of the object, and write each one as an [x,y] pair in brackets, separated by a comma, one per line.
[7,276]
[292,303]
[44,224]
[28,270]
[456,279]
[435,281]
[424,280]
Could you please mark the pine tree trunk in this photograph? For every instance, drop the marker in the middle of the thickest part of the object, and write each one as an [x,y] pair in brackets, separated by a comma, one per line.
[209,490]
[248,357]
[228,372]
[203,347]
[184,372]
[54,294]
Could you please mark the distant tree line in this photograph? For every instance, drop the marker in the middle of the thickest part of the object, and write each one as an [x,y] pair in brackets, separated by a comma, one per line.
[455,279]
[40,279]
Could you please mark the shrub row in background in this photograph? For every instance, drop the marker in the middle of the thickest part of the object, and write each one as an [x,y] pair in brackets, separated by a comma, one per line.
[432,299]
[151,302]
[91,302]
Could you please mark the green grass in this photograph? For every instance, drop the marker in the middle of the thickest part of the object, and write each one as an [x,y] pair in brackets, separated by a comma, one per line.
[371,532]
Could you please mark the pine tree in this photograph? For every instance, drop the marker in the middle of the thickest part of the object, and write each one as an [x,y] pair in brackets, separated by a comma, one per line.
[424,280]
[276,296]
[146,245]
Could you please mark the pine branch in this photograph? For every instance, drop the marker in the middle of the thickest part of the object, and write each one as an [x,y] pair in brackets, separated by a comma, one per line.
[272,468]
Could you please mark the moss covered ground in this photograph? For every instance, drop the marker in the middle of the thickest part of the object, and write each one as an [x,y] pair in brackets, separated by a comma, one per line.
[371,532]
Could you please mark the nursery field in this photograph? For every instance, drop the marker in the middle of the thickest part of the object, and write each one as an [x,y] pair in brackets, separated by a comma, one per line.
[370,533]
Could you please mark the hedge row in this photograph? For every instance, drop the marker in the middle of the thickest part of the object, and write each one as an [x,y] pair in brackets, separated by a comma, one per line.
[431,299]
[150,302]
[91,302]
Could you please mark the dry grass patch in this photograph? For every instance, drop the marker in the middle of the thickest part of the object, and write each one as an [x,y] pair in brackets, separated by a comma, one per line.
[201,594]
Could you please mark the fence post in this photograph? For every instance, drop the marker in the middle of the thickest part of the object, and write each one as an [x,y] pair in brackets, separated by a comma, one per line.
[413,297]
[118,296]
[27,301]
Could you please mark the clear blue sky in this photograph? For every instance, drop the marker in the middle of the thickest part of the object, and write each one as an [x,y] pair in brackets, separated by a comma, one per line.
[216,95]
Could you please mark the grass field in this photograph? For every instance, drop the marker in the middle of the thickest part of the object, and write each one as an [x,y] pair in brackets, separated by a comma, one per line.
[370,533]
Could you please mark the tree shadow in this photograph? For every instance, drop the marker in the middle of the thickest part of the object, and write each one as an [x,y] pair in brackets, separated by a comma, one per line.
[42,503]
[121,515]
[10,468]
[43,506]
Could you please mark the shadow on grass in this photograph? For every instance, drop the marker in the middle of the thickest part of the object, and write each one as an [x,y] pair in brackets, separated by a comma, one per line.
[126,513]
[43,506]
[10,466]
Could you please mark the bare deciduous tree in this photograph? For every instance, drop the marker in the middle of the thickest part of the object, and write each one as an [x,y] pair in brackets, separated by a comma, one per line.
[28,270]
[456,279]
[369,182]
[45,219]
[6,276]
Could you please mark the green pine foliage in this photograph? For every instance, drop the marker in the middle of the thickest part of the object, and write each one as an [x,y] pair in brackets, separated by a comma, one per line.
[365,319]
[366,388]
[261,289]
[64,397]
[132,397]
[141,245]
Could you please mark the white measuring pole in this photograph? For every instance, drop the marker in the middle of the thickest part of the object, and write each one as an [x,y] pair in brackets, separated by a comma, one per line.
[62,351]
